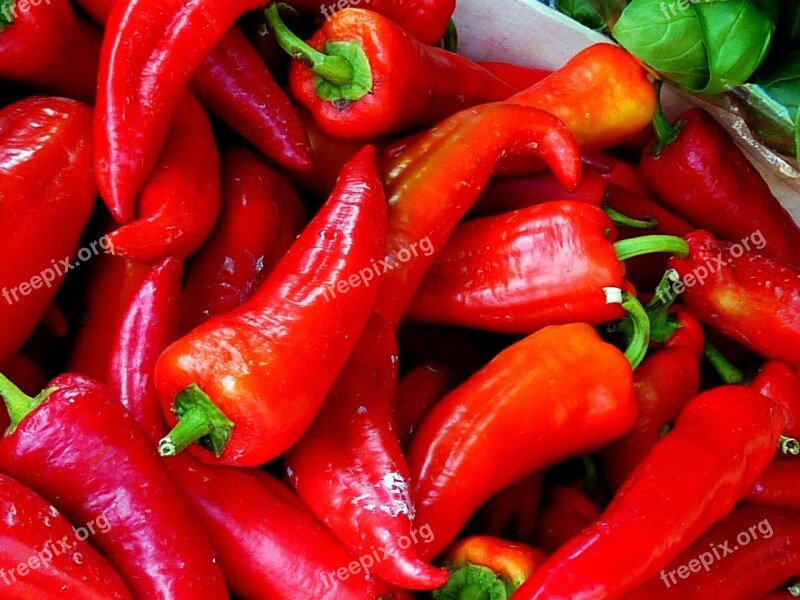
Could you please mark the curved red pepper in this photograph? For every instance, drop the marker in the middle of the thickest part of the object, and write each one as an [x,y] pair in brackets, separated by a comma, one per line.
[417,392]
[426,20]
[350,469]
[749,297]
[722,441]
[748,553]
[781,384]
[140,84]
[47,193]
[615,171]
[385,81]
[516,76]
[566,512]
[49,47]
[455,459]
[261,217]
[434,181]
[253,363]
[77,446]
[513,512]
[35,564]
[180,201]
[778,487]
[523,270]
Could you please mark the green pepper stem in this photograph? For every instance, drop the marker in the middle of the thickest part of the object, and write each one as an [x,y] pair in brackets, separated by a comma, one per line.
[794,589]
[334,69]
[450,40]
[788,445]
[469,581]
[666,133]
[625,221]
[200,420]
[729,374]
[640,338]
[663,290]
[18,403]
[651,244]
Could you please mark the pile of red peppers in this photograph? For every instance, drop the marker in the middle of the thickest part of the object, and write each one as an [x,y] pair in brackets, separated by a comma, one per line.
[299,303]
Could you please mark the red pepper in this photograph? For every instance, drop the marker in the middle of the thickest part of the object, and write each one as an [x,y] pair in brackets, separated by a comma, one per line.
[514,511]
[426,20]
[455,458]
[616,172]
[747,554]
[362,76]
[693,476]
[36,564]
[433,182]
[47,193]
[29,376]
[417,392]
[520,271]
[248,369]
[180,201]
[505,194]
[350,470]
[487,567]
[49,47]
[696,169]
[566,511]
[77,446]
[140,84]
[748,296]
[516,76]
[780,384]
[778,487]
[261,217]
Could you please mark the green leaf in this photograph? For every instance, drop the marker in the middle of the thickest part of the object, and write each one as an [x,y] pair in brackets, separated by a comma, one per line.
[771,121]
[472,582]
[583,12]
[797,136]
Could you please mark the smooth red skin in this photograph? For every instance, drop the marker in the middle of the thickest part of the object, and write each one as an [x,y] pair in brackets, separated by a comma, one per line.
[542,419]
[254,362]
[350,469]
[615,171]
[181,199]
[778,382]
[665,382]
[84,453]
[109,289]
[512,561]
[516,76]
[417,392]
[435,180]
[29,522]
[426,20]
[753,299]
[140,84]
[523,270]
[147,325]
[51,48]
[261,217]
[504,194]
[514,511]
[749,572]
[413,85]
[27,375]
[47,193]
[703,174]
[565,514]
[778,487]
[690,336]
[693,476]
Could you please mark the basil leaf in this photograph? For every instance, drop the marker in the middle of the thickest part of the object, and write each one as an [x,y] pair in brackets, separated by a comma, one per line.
[582,12]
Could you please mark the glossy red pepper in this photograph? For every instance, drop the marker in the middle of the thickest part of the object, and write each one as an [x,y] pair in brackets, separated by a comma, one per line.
[520,271]
[49,47]
[781,384]
[615,171]
[47,193]
[512,513]
[565,512]
[748,553]
[434,181]
[261,217]
[693,476]
[180,201]
[746,295]
[362,76]
[696,169]
[778,487]
[247,370]
[350,470]
[417,392]
[454,457]
[516,76]
[426,20]
[34,561]
[77,446]
[140,84]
